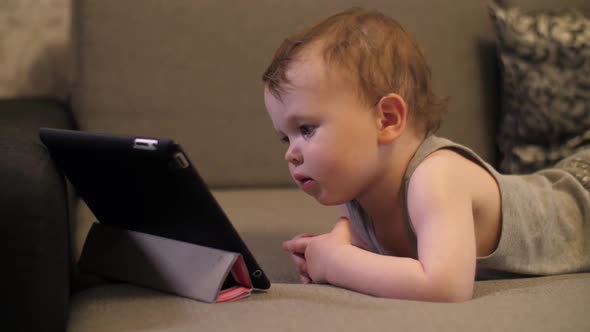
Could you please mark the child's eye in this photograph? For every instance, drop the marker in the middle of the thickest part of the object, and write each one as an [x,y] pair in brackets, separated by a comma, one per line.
[306,130]
[285,140]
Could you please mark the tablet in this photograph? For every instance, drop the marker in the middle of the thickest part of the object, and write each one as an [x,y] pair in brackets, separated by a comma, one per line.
[147,185]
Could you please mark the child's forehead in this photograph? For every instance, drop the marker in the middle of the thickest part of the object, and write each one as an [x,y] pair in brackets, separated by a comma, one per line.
[311,70]
[307,67]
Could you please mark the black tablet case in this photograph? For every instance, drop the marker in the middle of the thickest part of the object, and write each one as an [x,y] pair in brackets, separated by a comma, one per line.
[148,186]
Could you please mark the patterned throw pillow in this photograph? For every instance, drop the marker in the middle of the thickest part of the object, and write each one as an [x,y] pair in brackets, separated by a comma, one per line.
[545,68]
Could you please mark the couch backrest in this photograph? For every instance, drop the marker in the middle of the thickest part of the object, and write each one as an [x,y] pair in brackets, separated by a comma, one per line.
[190,70]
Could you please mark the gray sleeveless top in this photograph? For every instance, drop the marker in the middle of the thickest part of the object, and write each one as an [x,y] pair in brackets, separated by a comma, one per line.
[545,216]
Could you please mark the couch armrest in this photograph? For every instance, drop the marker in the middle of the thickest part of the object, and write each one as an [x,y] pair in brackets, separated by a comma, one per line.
[33,218]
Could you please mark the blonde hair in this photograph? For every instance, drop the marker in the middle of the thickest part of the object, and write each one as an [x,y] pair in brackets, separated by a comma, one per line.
[384,57]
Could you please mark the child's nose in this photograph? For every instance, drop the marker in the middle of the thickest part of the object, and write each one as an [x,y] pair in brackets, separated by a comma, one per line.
[293,155]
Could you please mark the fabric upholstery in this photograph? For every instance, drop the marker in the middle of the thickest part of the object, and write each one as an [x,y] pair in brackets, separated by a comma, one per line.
[543,304]
[35,48]
[542,4]
[191,70]
[545,61]
[34,231]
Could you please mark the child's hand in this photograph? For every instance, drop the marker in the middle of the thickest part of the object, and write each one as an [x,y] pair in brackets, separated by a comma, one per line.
[298,258]
[312,255]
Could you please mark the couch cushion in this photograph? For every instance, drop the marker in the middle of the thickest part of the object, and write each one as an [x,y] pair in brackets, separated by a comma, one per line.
[265,218]
[35,50]
[558,303]
[27,115]
[191,70]
[34,231]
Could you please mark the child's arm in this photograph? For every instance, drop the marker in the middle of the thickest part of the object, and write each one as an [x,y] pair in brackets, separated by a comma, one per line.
[442,217]
[356,240]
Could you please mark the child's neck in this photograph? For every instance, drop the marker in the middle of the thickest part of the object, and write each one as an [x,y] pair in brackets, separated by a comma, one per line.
[382,197]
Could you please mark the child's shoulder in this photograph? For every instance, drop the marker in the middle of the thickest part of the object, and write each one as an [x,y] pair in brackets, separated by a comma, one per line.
[444,167]
[447,172]
[440,159]
[441,168]
[447,177]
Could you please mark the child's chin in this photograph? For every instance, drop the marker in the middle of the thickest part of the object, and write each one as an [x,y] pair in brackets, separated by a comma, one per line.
[329,201]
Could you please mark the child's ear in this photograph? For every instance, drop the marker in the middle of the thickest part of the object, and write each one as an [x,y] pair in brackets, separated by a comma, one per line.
[392,117]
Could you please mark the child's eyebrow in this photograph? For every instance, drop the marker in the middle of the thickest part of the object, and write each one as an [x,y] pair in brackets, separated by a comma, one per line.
[295,118]
[292,119]
[289,121]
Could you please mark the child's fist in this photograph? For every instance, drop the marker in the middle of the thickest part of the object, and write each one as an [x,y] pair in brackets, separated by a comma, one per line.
[319,250]
[297,248]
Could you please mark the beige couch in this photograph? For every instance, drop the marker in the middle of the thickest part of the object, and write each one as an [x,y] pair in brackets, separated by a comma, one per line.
[190,70]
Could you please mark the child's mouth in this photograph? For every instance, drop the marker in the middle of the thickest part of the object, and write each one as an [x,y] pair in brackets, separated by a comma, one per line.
[306,184]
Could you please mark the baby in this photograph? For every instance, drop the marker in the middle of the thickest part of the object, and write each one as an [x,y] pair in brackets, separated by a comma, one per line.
[352,99]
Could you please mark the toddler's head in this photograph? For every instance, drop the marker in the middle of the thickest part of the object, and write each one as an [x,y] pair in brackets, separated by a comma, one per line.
[377,53]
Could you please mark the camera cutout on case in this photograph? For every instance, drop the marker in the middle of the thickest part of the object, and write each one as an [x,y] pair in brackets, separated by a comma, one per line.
[145,144]
[181,160]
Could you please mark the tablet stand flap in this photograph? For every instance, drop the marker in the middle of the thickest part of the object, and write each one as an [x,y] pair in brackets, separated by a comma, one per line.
[181,268]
